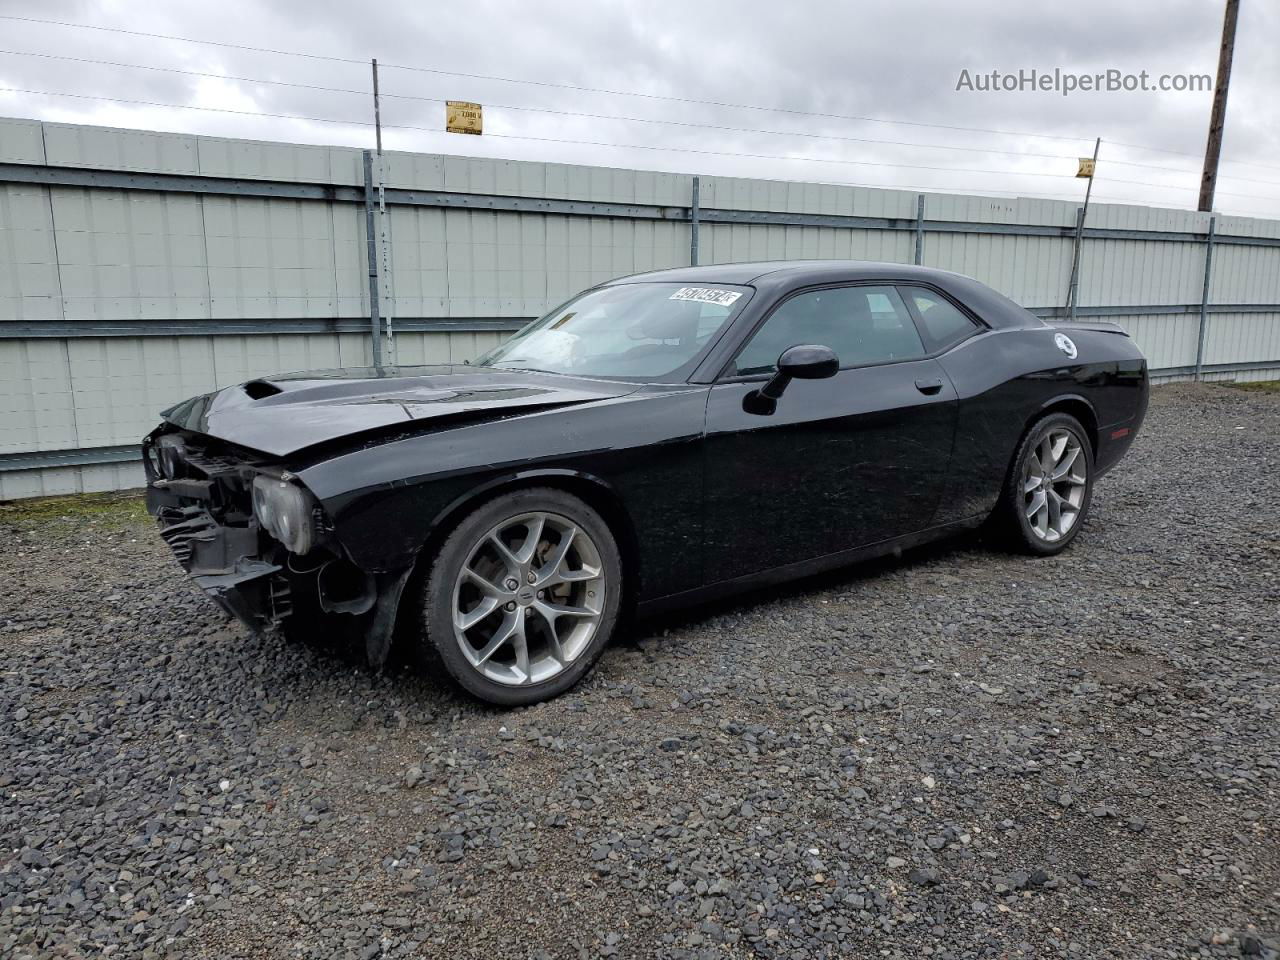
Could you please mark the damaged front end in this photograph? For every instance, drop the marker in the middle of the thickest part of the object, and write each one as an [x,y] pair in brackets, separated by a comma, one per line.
[260,545]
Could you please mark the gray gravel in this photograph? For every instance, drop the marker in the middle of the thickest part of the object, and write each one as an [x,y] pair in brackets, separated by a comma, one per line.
[957,754]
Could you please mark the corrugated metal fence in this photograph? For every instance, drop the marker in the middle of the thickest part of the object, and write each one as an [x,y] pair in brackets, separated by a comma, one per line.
[138,268]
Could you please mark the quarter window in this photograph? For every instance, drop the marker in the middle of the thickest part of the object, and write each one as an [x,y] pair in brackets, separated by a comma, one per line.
[944,325]
[863,325]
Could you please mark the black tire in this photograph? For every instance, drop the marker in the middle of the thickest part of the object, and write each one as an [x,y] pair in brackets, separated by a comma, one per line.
[1010,520]
[437,595]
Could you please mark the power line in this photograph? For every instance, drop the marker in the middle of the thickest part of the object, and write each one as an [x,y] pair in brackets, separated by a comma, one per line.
[1174,186]
[184,106]
[924,188]
[1184,170]
[1196,156]
[544,83]
[735,106]
[631,119]
[185,73]
[732,129]
[652,147]
[623,146]
[611,92]
[528,109]
[166,36]
[636,146]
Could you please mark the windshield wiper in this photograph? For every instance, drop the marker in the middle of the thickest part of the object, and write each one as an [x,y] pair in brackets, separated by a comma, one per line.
[525,369]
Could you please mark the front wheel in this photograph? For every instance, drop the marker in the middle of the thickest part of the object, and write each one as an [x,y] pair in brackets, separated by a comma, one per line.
[523,596]
[1050,482]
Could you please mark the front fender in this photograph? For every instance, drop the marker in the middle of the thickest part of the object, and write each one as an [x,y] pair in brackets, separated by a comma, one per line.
[642,451]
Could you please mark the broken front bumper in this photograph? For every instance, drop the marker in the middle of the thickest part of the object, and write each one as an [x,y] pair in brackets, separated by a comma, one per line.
[207,518]
[223,560]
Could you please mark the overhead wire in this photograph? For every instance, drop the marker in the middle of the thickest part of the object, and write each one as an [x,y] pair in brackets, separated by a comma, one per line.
[615,117]
[185,73]
[186,106]
[543,83]
[167,36]
[652,147]
[547,110]
[507,136]
[611,117]
[600,90]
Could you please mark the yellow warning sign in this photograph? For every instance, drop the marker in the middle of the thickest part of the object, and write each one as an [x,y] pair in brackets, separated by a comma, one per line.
[463,117]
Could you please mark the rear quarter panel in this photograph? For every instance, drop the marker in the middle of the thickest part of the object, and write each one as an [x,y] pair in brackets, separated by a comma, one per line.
[1006,379]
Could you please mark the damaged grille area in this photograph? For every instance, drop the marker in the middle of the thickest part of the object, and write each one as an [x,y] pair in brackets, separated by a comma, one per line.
[200,498]
[201,492]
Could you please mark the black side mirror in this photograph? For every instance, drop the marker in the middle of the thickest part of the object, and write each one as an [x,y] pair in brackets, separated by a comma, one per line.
[805,361]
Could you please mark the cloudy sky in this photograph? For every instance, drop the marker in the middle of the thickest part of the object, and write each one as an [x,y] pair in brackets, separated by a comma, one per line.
[821,90]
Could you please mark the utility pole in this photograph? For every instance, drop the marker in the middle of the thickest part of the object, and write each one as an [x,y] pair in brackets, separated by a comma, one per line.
[376,226]
[1209,179]
[377,108]
[1081,213]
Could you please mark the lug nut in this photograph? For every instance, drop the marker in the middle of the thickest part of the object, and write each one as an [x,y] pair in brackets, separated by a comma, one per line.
[541,594]
[511,605]
[532,578]
[512,583]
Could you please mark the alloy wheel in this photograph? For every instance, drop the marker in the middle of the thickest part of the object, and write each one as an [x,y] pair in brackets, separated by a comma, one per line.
[528,599]
[1054,483]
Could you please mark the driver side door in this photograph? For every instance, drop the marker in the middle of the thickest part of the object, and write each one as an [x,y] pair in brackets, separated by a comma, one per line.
[839,463]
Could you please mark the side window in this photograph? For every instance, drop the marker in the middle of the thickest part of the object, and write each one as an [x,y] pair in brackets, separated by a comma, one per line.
[944,325]
[861,324]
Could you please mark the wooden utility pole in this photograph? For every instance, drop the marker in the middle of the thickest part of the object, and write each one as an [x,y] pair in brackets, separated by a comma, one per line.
[1209,180]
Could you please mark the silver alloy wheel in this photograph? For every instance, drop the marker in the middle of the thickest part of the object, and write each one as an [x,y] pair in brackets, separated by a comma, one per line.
[1053,485]
[528,600]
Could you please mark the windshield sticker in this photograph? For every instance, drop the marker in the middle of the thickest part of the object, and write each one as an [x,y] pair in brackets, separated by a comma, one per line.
[725,298]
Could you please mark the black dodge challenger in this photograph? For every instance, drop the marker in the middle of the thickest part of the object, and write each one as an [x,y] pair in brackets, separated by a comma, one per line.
[656,440]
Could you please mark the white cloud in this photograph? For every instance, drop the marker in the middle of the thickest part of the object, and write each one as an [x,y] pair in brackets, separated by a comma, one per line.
[898,61]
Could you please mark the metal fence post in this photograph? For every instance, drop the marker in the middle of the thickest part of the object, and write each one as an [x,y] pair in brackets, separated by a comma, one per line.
[375,319]
[693,222]
[1073,287]
[919,229]
[1204,299]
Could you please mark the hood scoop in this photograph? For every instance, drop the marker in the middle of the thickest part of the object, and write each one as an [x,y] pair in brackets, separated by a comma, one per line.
[261,389]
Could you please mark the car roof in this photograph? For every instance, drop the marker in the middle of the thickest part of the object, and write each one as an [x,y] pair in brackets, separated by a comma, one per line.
[781,277]
[798,270]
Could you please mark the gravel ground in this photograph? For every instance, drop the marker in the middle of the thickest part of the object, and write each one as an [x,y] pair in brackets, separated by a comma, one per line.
[956,754]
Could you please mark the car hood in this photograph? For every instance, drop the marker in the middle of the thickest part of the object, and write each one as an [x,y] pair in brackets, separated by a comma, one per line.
[283,415]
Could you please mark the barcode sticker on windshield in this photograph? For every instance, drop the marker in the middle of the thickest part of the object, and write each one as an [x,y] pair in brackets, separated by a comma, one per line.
[725,298]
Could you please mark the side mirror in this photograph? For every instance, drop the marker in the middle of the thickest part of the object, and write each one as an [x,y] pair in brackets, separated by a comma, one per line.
[805,361]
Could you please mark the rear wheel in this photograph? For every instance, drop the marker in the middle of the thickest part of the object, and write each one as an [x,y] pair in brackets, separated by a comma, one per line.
[523,596]
[1049,486]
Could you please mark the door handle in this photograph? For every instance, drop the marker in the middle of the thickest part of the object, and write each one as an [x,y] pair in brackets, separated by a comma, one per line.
[929,387]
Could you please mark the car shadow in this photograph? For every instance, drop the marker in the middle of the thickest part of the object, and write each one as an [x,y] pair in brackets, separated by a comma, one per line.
[417,677]
[636,628]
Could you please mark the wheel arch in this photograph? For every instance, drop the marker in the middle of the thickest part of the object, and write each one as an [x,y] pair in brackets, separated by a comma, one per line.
[596,492]
[1075,405]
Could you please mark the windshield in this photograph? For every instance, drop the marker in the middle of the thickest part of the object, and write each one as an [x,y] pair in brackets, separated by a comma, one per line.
[633,331]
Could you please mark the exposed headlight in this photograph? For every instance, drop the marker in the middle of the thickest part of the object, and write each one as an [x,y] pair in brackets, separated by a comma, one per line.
[170,451]
[285,511]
